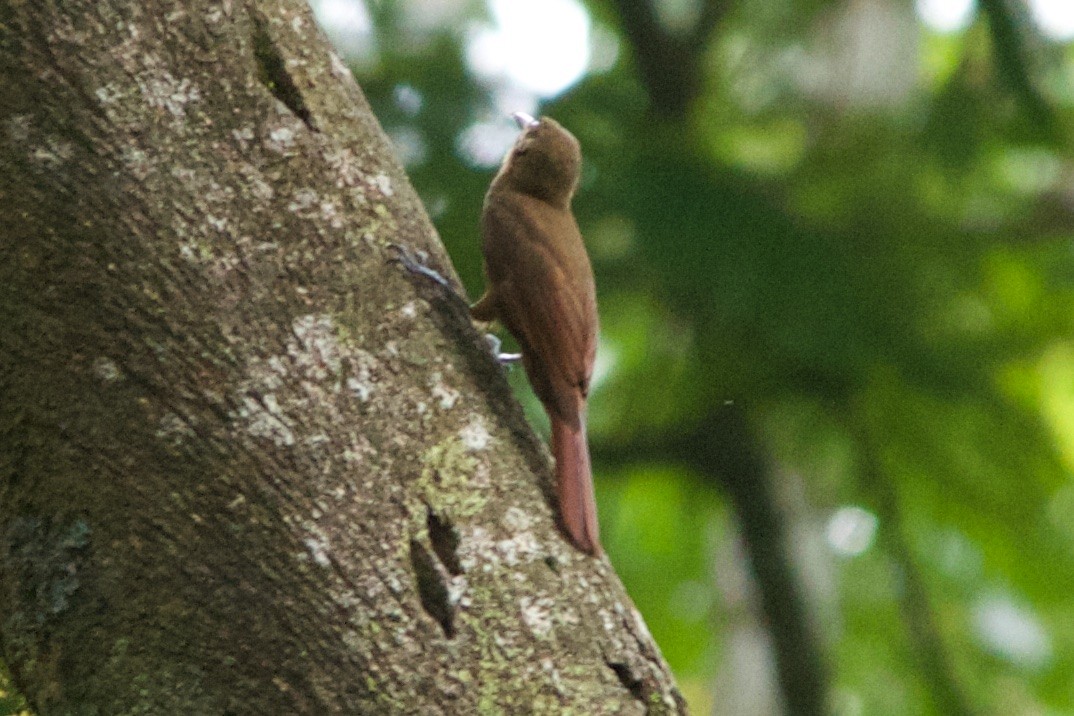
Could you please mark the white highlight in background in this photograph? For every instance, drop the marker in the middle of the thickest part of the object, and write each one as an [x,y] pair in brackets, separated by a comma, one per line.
[1012,632]
[540,45]
[1055,18]
[348,25]
[851,530]
[946,16]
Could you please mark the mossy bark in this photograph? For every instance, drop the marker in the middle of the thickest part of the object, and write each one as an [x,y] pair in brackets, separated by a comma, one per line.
[247,464]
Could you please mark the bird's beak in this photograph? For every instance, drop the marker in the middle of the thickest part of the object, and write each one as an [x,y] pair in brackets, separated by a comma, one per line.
[524,121]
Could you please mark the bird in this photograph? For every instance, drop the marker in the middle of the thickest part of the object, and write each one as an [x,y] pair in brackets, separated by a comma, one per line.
[540,286]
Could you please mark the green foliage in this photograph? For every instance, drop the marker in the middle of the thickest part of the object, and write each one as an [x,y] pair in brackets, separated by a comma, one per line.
[877,269]
[11,704]
[663,521]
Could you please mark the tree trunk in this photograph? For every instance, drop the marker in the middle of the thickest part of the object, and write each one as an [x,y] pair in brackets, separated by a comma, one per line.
[248,465]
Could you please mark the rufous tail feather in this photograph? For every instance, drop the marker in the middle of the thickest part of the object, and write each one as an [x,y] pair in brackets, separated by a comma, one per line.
[577,504]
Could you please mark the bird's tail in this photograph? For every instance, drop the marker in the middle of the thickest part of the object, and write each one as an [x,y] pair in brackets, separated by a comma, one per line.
[577,505]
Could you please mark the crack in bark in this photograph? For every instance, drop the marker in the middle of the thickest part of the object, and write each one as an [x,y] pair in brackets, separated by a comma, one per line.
[642,687]
[272,72]
[433,571]
[445,541]
[630,682]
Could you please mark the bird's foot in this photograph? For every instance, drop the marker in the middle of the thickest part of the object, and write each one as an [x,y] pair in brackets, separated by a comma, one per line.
[416,265]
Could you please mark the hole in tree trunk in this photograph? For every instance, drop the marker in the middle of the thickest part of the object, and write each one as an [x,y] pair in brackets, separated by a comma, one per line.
[432,587]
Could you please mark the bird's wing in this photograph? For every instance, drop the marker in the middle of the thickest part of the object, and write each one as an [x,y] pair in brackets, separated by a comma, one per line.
[545,299]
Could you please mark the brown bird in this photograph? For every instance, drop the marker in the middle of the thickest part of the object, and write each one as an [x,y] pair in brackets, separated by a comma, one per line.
[540,286]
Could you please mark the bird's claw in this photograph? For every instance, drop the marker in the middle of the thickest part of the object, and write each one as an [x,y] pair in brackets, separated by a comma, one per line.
[503,358]
[415,264]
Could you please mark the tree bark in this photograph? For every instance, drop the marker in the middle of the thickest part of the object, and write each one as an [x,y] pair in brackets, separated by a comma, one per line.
[248,465]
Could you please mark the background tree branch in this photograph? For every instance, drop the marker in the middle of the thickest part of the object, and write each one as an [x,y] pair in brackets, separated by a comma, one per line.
[725,453]
[668,62]
[1007,27]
